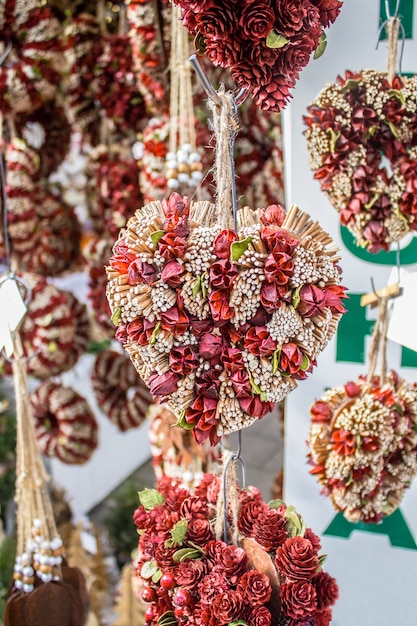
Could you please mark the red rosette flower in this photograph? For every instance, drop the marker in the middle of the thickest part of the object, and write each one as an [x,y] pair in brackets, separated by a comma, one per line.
[297,559]
[212,582]
[369,190]
[356,440]
[216,321]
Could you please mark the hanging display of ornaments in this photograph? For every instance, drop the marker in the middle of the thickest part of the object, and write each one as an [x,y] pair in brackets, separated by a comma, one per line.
[96,255]
[221,323]
[270,573]
[363,445]
[265,45]
[120,394]
[360,139]
[55,329]
[31,53]
[65,426]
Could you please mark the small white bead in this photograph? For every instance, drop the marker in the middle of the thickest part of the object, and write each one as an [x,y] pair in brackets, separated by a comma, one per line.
[173,183]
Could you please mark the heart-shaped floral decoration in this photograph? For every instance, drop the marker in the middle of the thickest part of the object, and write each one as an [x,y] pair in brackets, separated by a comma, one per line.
[363,445]
[362,143]
[221,323]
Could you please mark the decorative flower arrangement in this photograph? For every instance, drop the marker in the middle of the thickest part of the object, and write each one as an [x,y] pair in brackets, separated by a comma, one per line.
[361,142]
[222,323]
[273,575]
[114,193]
[65,426]
[363,445]
[55,330]
[175,452]
[120,394]
[31,47]
[265,45]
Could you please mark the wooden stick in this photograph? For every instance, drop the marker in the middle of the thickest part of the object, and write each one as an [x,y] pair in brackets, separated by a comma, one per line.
[372,298]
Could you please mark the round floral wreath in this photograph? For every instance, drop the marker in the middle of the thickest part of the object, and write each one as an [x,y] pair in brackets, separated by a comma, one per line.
[265,44]
[274,576]
[222,323]
[363,445]
[361,139]
[65,425]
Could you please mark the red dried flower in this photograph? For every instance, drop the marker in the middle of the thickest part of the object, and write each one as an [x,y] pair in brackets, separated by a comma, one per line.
[259,341]
[220,309]
[222,243]
[171,273]
[141,272]
[297,559]
[320,411]
[227,607]
[291,358]
[183,360]
[174,320]
[298,600]
[270,529]
[273,214]
[190,573]
[256,21]
[255,588]
[172,247]
[278,268]
[327,590]
[222,274]
[163,384]
[232,562]
[260,616]
[343,442]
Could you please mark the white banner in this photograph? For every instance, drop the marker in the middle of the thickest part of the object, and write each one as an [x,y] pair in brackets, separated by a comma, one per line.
[376,566]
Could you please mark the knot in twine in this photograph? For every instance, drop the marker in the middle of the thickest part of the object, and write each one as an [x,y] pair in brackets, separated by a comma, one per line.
[225,126]
[228,501]
[393,29]
[379,342]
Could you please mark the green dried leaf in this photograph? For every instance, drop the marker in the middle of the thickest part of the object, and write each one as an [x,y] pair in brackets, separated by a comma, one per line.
[294,525]
[149,569]
[157,576]
[305,363]
[97,346]
[197,287]
[371,201]
[274,40]
[334,136]
[349,479]
[275,360]
[200,44]
[116,318]
[398,408]
[358,441]
[155,334]
[186,553]
[296,297]
[371,131]
[238,248]
[156,236]
[167,619]
[52,346]
[240,622]
[322,559]
[351,84]
[395,93]
[393,129]
[203,287]
[182,422]
[255,388]
[319,51]
[275,504]
[150,498]
[179,532]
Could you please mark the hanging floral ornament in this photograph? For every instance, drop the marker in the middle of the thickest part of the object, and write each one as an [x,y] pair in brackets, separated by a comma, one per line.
[55,329]
[175,453]
[83,47]
[265,45]
[363,442]
[360,139]
[65,426]
[149,28]
[222,312]
[47,131]
[43,587]
[266,569]
[120,394]
[31,52]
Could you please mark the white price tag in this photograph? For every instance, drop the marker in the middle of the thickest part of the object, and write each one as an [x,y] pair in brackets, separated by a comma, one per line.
[402,323]
[12,312]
